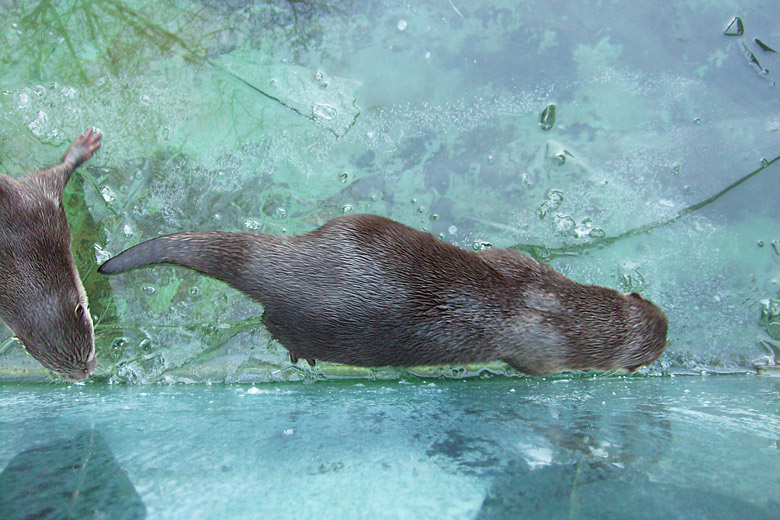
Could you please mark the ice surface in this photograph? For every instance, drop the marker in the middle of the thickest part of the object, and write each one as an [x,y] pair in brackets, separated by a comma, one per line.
[278,116]
[652,447]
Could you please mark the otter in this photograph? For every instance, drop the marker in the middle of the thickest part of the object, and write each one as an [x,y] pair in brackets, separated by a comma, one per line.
[42,299]
[368,291]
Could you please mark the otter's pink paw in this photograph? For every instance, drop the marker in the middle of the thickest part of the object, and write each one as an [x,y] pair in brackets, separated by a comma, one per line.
[82,148]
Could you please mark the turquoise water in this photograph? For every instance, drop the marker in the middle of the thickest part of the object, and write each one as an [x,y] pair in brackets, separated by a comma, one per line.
[629,145]
[673,447]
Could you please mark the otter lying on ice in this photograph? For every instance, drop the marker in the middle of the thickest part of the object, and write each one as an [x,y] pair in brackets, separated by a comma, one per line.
[368,291]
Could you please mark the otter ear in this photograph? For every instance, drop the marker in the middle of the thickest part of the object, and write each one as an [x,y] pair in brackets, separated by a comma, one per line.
[636,296]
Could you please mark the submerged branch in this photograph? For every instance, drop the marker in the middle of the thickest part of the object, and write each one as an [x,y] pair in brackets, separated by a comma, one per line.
[37,17]
[288,106]
[547,254]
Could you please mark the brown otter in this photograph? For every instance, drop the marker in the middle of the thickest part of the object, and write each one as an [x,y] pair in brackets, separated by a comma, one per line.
[365,290]
[42,299]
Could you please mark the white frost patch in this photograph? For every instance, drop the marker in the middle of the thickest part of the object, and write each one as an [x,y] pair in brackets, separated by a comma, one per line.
[537,457]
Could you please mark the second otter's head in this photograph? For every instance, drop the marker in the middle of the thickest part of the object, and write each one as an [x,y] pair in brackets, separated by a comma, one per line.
[42,299]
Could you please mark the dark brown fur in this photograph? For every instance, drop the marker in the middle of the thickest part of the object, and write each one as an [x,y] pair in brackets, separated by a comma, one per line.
[42,299]
[365,290]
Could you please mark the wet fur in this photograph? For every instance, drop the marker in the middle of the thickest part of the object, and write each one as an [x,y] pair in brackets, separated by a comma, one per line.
[42,299]
[368,291]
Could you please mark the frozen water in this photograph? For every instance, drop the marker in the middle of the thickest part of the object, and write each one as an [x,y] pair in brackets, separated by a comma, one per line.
[663,447]
[630,146]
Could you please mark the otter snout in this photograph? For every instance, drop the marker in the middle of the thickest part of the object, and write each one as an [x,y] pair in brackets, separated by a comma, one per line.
[78,373]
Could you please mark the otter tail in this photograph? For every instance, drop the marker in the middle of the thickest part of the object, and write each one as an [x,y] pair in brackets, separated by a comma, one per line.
[216,254]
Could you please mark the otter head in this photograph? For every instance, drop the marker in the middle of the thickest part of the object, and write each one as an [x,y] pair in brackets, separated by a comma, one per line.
[56,330]
[613,331]
[646,330]
[42,299]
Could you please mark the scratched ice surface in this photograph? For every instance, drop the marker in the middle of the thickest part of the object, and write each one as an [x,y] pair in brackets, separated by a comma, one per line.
[663,447]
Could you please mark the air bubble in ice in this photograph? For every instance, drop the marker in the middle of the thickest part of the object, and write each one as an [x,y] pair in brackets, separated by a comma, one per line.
[108,194]
[584,228]
[597,233]
[553,201]
[101,255]
[770,316]
[23,99]
[252,224]
[480,245]
[324,111]
[764,46]
[402,25]
[547,119]
[343,177]
[564,224]
[735,27]
[629,277]
[38,125]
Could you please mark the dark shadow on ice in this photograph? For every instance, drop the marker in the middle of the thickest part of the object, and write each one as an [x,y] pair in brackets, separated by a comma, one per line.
[603,490]
[72,478]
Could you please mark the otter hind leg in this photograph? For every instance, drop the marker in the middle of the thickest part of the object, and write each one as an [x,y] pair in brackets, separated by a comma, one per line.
[279,335]
[525,368]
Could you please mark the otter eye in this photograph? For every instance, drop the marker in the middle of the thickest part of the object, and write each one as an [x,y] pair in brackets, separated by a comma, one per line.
[79,310]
